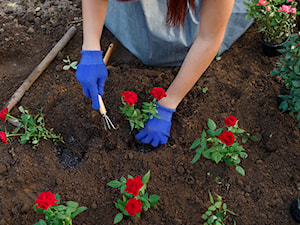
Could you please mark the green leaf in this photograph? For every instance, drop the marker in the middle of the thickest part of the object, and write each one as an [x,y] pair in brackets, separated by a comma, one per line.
[114,184]
[154,198]
[216,156]
[123,180]
[225,206]
[218,132]
[196,157]
[195,144]
[245,139]
[204,216]
[41,222]
[211,199]
[72,204]
[66,67]
[211,124]
[21,109]
[146,205]
[118,218]
[296,83]
[212,208]
[254,138]
[211,133]
[203,135]
[78,210]
[283,106]
[243,155]
[208,213]
[146,178]
[218,204]
[240,170]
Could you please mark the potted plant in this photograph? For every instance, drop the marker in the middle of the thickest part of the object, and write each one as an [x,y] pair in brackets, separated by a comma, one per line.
[295,209]
[275,20]
[288,68]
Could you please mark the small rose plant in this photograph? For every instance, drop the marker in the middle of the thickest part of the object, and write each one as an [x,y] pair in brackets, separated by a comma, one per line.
[219,145]
[48,204]
[135,116]
[33,128]
[135,198]
[275,19]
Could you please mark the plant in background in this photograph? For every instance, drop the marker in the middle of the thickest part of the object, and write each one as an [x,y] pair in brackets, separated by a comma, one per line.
[135,198]
[137,117]
[219,145]
[55,214]
[216,213]
[288,68]
[275,19]
[70,64]
[34,129]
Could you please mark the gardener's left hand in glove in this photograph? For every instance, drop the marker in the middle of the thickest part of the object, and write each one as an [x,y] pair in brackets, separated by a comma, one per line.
[157,130]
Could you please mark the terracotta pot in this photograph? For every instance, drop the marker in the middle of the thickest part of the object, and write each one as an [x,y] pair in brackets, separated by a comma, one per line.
[295,210]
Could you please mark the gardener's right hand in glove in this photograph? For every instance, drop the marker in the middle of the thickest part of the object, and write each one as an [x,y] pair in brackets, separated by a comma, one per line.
[91,73]
[157,130]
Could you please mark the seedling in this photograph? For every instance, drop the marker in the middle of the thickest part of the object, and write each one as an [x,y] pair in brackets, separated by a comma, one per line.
[216,213]
[70,64]
[204,90]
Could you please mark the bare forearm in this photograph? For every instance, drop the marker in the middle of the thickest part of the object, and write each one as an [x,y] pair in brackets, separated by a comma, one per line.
[203,50]
[93,14]
[196,62]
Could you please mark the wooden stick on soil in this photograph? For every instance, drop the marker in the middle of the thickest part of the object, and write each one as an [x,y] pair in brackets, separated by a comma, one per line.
[16,97]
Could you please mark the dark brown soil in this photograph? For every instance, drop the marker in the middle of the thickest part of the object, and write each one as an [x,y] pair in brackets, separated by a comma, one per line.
[239,84]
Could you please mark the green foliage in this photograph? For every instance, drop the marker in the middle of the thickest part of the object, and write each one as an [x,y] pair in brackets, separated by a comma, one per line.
[204,90]
[146,200]
[288,68]
[211,147]
[60,214]
[70,64]
[137,117]
[273,25]
[216,214]
[33,127]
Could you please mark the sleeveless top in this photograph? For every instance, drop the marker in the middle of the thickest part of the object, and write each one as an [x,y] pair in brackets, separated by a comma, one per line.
[141,27]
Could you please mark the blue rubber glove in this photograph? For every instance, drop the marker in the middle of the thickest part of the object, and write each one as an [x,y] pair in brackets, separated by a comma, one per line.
[157,130]
[91,73]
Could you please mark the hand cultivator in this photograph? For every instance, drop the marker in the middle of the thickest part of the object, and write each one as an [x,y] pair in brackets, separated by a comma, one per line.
[107,122]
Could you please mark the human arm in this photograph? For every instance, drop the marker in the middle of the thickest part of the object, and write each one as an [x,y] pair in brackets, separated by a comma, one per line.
[93,14]
[204,49]
[91,71]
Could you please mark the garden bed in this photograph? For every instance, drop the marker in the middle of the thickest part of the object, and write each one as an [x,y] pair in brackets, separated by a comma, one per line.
[238,84]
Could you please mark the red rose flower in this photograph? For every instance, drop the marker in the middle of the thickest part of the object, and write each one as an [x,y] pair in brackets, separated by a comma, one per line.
[3,114]
[45,200]
[133,206]
[130,97]
[158,93]
[3,137]
[134,185]
[227,138]
[230,121]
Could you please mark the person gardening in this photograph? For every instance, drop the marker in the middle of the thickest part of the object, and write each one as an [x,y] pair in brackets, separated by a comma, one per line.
[188,33]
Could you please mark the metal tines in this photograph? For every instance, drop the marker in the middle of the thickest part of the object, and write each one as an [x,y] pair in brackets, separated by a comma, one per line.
[107,122]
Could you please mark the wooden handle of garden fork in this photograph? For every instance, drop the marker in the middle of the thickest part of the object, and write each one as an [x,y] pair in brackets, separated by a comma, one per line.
[108,53]
[102,108]
[106,57]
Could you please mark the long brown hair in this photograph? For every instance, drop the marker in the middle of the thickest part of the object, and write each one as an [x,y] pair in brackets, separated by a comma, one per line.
[177,10]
